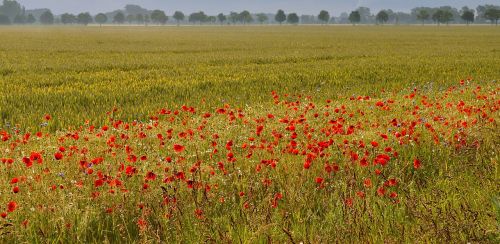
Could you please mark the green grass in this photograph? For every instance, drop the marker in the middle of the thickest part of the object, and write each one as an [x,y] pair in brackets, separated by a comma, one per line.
[77,74]
[84,72]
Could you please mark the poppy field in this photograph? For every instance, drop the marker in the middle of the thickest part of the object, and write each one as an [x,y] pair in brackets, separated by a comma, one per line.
[294,134]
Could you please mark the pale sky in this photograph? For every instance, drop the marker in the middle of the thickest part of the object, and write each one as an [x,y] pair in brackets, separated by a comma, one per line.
[335,7]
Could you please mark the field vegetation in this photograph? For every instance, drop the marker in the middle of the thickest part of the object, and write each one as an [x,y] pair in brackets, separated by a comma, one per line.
[311,134]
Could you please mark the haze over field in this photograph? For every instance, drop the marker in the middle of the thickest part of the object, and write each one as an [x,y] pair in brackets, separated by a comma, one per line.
[216,6]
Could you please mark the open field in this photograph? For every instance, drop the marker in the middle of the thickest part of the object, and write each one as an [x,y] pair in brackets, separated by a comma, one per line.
[314,134]
[83,72]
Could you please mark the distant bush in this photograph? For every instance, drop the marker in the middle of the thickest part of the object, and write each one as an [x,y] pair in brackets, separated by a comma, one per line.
[4,20]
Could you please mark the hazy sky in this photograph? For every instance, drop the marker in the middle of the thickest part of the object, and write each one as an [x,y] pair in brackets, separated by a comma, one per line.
[335,7]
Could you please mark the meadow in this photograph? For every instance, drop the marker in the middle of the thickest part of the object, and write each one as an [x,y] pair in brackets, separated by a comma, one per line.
[311,134]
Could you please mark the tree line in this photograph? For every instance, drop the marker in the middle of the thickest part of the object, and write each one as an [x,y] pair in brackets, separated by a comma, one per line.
[11,12]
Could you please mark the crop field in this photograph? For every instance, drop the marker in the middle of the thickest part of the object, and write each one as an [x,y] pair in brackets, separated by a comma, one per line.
[250,134]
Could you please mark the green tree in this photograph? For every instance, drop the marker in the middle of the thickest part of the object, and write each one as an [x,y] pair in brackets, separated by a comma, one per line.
[492,14]
[324,16]
[245,17]
[262,18]
[222,18]
[198,17]
[101,18]
[159,17]
[233,17]
[84,18]
[4,19]
[47,18]
[423,15]
[280,16]
[30,19]
[212,19]
[354,17]
[364,14]
[130,19]
[179,16]
[10,9]
[442,16]
[119,18]
[292,18]
[382,17]
[20,19]
[68,18]
[139,18]
[467,15]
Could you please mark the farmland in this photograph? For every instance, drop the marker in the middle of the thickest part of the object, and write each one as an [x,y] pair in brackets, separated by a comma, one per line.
[83,72]
[250,134]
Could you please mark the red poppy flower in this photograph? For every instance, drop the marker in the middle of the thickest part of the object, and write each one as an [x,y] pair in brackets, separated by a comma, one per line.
[348,202]
[36,157]
[367,183]
[178,148]
[416,164]
[27,162]
[58,156]
[150,176]
[381,191]
[14,181]
[319,180]
[11,206]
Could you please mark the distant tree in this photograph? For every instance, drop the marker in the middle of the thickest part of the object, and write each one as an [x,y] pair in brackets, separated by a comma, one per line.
[280,16]
[442,16]
[20,19]
[84,18]
[101,18]
[30,19]
[159,17]
[10,9]
[119,18]
[47,18]
[179,16]
[437,16]
[4,19]
[212,19]
[364,14]
[423,15]
[467,15]
[139,18]
[447,17]
[198,17]
[354,17]
[234,17]
[492,14]
[382,17]
[292,18]
[222,18]
[68,18]
[245,17]
[130,18]
[134,9]
[262,18]
[147,19]
[324,16]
